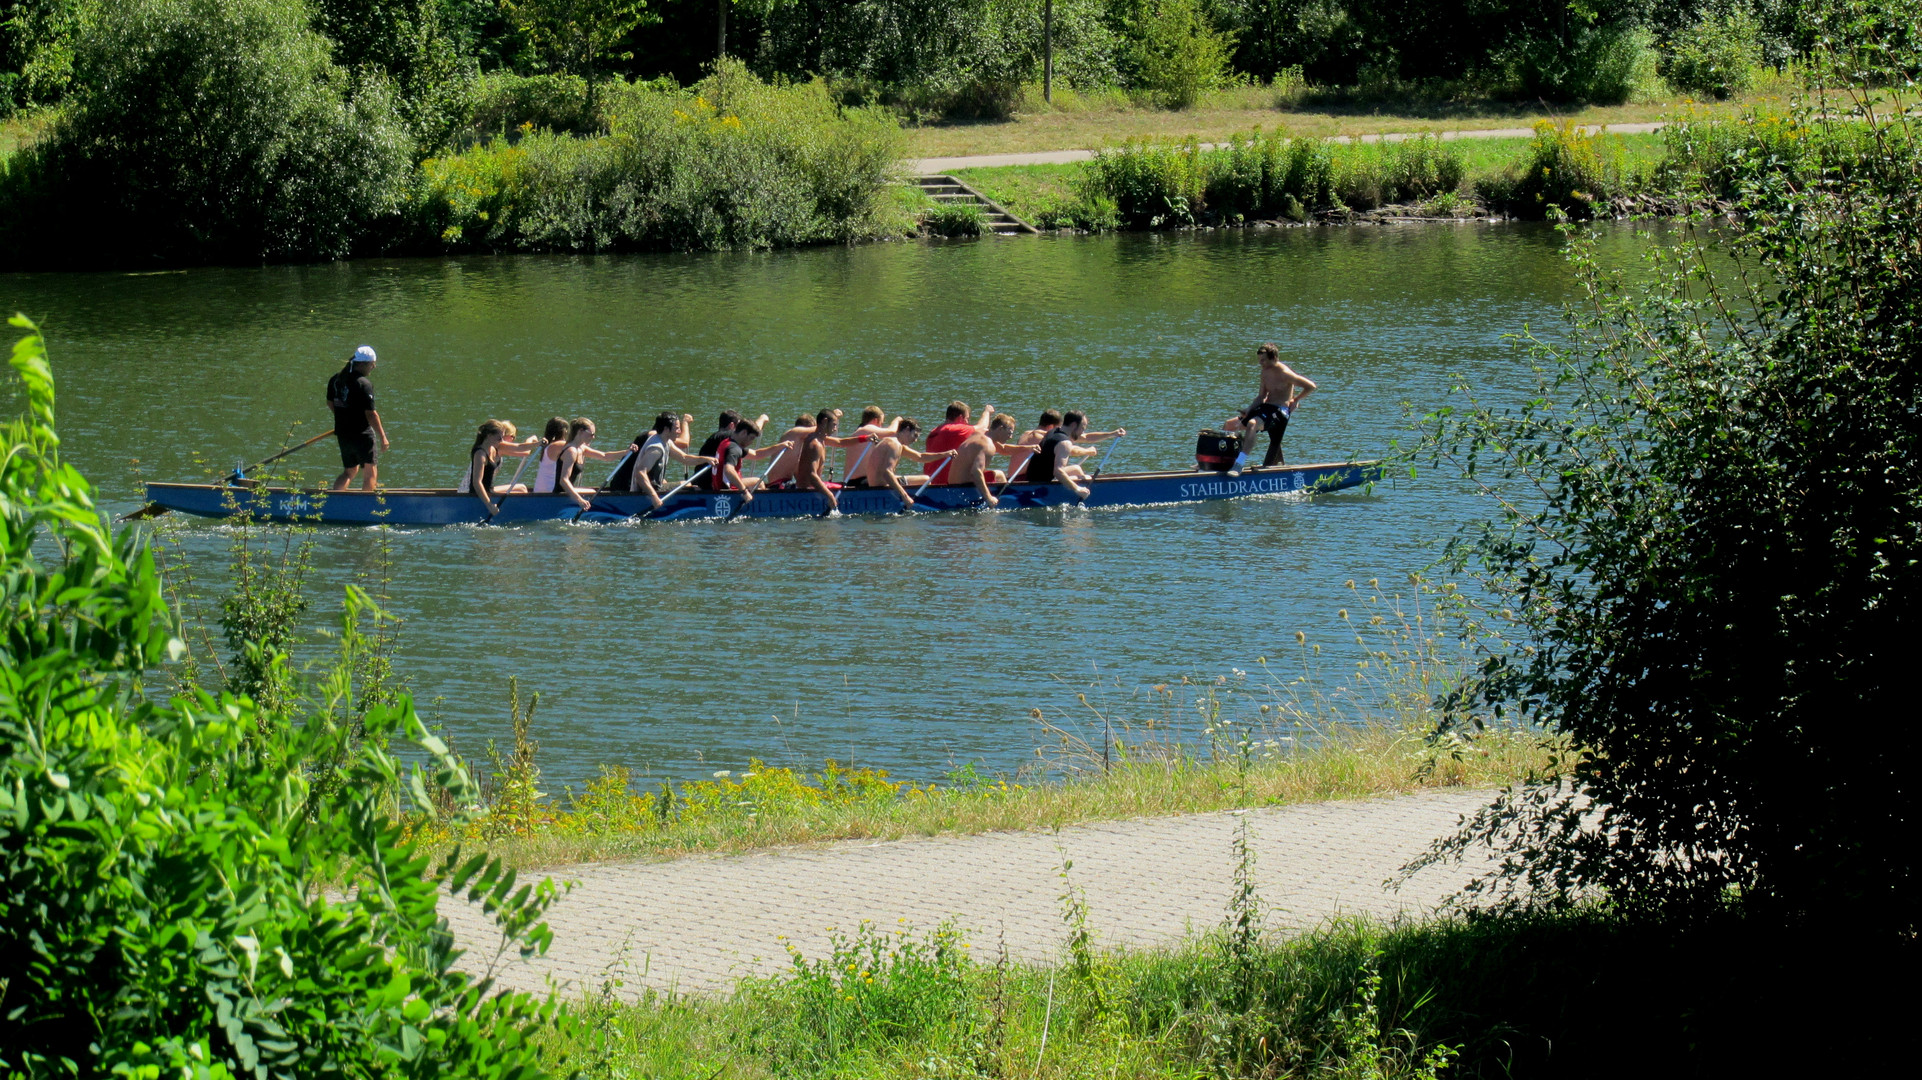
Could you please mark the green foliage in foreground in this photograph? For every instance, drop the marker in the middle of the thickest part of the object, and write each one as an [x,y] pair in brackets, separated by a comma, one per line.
[160,864]
[1706,542]
[1585,993]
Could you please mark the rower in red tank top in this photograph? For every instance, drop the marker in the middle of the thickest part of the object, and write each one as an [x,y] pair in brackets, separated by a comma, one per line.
[958,429]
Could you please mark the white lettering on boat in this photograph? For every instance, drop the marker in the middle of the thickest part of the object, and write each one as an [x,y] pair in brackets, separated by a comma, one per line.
[1259,485]
[296,504]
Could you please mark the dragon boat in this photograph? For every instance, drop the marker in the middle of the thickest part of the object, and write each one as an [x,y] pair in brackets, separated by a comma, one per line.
[445,506]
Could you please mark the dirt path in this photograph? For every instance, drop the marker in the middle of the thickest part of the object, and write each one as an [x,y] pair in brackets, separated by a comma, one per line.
[699,924]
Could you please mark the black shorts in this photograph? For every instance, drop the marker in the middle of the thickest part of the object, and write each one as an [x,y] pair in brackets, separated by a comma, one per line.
[356,450]
[1270,415]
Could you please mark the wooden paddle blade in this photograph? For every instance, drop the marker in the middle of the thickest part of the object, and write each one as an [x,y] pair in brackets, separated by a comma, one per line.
[151,510]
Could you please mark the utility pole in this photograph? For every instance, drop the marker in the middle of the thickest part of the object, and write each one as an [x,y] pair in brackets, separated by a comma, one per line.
[1047,51]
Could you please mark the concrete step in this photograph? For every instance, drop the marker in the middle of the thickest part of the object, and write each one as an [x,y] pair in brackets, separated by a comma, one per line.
[948,191]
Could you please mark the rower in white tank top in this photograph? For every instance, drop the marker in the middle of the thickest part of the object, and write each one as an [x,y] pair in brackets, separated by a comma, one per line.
[544,474]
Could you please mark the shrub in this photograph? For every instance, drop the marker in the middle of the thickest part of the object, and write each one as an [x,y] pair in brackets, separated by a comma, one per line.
[165,900]
[1710,158]
[505,102]
[1151,183]
[1568,168]
[1607,65]
[873,989]
[1357,176]
[1716,56]
[411,44]
[1177,54]
[955,219]
[1420,168]
[207,129]
[772,166]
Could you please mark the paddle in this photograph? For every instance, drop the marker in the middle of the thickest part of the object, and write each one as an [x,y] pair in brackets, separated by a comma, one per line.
[933,476]
[698,473]
[516,478]
[858,462]
[154,509]
[1104,458]
[617,467]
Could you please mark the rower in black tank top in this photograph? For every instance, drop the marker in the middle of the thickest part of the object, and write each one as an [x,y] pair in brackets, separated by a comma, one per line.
[1040,467]
[487,474]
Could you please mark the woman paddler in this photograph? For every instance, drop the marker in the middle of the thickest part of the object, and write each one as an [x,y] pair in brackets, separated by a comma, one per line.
[567,464]
[494,440]
[553,440]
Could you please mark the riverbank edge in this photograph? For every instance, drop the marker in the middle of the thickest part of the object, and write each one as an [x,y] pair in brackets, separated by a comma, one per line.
[766,808]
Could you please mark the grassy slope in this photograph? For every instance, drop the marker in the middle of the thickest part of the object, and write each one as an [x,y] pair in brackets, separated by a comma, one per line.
[1373,760]
[1086,124]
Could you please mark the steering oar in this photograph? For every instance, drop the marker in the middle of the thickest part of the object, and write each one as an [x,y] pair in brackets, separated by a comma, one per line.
[154,509]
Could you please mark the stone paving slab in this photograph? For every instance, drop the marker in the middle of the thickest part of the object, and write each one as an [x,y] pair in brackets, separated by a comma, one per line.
[700,923]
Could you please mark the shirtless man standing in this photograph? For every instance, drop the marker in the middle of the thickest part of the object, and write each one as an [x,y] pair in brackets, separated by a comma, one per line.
[811,463]
[1281,390]
[890,450]
[971,458]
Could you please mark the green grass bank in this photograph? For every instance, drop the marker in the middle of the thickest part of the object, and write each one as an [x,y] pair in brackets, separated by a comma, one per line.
[1577,993]
[765,807]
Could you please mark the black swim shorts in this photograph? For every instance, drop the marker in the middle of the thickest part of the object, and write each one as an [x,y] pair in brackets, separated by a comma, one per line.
[1268,413]
[356,450]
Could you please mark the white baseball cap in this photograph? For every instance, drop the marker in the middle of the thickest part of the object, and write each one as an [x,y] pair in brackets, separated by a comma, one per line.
[364,355]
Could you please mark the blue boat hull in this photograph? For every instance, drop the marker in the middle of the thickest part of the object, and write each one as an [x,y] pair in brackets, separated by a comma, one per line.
[405,506]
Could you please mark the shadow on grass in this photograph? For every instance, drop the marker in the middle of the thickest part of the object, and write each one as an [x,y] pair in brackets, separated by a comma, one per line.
[1581,993]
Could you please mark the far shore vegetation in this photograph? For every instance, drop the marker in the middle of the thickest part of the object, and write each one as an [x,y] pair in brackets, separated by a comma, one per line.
[168,132]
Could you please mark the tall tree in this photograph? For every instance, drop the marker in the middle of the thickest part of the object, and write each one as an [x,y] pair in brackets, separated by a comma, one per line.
[580,37]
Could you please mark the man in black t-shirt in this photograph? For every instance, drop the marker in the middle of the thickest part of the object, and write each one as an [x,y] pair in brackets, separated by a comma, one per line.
[350,394]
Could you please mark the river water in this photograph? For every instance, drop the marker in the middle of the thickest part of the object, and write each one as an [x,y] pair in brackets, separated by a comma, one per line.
[917,645]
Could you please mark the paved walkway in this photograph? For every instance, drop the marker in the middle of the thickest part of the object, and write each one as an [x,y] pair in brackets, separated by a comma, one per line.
[927,166]
[700,923]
